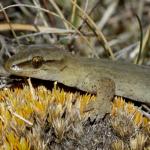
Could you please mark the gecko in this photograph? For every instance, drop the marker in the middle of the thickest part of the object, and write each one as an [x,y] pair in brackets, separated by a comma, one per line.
[103,77]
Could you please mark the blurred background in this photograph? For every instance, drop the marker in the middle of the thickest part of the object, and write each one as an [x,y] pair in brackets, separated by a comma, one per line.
[92,28]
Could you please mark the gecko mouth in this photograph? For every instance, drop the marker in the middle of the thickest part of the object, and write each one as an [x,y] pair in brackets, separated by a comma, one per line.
[15,68]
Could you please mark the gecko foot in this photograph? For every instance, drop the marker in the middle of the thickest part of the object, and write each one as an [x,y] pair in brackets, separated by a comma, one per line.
[105,93]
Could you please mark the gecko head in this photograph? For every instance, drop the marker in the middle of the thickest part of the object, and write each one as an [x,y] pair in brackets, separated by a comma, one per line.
[38,62]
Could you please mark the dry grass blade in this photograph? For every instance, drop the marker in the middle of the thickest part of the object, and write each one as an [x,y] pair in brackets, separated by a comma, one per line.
[110,10]
[73,11]
[9,23]
[54,14]
[146,40]
[28,27]
[59,12]
[21,118]
[99,34]
[40,13]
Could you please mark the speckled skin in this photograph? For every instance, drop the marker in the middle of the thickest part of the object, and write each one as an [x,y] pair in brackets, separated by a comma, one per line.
[103,77]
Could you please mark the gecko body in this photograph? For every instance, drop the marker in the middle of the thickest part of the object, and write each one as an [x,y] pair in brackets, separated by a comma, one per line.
[105,78]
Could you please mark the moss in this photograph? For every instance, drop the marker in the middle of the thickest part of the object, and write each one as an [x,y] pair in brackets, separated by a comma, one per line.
[34,119]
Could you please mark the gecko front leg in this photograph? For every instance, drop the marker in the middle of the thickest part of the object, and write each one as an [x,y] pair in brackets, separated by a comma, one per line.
[105,91]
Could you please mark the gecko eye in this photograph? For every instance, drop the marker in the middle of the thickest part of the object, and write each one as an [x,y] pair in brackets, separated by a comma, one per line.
[37,61]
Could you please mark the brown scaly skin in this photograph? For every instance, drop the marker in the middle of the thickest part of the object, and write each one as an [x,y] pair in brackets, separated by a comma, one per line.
[106,78]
